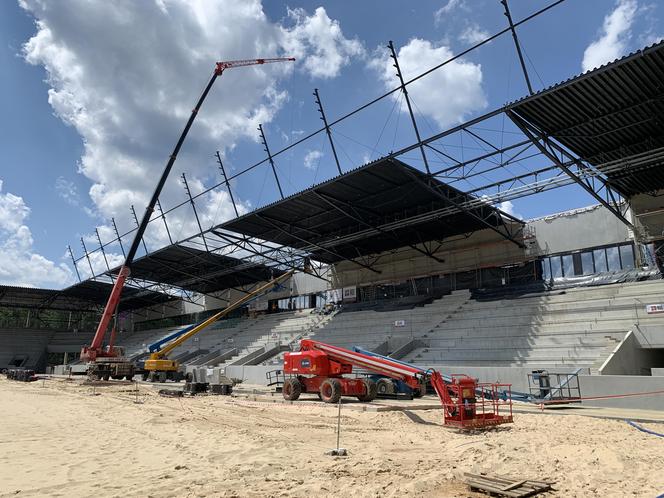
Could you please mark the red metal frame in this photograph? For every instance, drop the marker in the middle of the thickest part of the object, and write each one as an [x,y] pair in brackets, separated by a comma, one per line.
[471,405]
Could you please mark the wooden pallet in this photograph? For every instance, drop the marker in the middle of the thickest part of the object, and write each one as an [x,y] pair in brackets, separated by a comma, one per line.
[502,486]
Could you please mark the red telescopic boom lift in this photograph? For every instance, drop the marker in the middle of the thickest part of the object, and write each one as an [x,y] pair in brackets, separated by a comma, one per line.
[105,361]
[319,368]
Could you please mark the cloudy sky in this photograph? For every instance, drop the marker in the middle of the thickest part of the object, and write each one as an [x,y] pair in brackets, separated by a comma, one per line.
[95,93]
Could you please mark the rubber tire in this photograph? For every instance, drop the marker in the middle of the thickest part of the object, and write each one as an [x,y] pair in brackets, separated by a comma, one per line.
[385,386]
[129,377]
[418,393]
[371,391]
[330,391]
[291,389]
[146,375]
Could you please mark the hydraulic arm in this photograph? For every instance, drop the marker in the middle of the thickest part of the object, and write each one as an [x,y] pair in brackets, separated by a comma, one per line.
[95,350]
[320,367]
[158,364]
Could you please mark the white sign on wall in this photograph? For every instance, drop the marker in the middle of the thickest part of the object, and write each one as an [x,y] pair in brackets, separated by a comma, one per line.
[333,296]
[654,308]
[350,293]
[399,323]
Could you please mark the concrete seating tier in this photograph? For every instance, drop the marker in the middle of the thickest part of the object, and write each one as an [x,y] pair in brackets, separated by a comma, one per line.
[245,336]
[270,332]
[24,343]
[578,327]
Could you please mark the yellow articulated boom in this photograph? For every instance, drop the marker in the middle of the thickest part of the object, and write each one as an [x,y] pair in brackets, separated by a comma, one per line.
[159,367]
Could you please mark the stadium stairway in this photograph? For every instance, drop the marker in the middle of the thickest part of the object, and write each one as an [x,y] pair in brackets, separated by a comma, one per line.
[273,334]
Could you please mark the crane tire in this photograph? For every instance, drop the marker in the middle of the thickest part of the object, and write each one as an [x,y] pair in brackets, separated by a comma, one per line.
[330,391]
[291,389]
[385,386]
[370,391]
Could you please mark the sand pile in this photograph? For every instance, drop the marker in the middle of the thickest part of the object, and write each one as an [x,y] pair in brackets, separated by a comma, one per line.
[59,440]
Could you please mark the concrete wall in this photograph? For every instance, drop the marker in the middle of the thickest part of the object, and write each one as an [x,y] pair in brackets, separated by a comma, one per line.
[299,284]
[159,311]
[650,336]
[609,385]
[517,376]
[253,374]
[484,248]
[649,214]
[578,229]
[627,358]
[590,385]
[563,232]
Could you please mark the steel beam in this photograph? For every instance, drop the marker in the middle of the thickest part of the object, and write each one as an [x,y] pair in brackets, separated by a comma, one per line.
[526,128]
[393,54]
[327,129]
[517,45]
[193,206]
[496,212]
[332,202]
[313,244]
[269,156]
[228,185]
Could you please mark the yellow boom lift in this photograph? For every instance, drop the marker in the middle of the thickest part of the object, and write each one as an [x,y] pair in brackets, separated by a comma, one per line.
[159,368]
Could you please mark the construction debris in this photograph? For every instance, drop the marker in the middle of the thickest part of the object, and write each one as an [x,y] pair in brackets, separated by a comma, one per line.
[21,375]
[502,486]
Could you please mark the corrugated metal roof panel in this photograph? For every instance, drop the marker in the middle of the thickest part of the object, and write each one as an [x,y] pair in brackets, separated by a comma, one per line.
[609,114]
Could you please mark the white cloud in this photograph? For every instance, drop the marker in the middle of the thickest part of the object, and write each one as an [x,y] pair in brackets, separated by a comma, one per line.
[614,36]
[67,190]
[473,34]
[447,9]
[320,43]
[19,264]
[312,158]
[508,207]
[448,94]
[125,75]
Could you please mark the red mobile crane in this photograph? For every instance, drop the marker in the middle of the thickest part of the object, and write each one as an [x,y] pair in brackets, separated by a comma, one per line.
[109,361]
[319,368]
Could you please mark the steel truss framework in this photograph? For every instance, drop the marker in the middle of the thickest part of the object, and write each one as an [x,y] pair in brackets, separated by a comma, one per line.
[496,157]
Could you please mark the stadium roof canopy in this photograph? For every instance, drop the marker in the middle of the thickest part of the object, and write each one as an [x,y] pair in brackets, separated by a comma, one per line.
[98,292]
[611,117]
[86,295]
[380,206]
[197,270]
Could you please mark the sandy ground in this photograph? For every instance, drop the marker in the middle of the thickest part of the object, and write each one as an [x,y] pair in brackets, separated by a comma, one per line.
[57,439]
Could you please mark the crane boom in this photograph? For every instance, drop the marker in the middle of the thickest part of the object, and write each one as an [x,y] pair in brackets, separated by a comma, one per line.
[159,366]
[90,353]
[217,316]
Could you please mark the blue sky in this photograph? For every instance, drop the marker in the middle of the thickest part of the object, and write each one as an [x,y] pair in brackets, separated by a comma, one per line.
[94,95]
